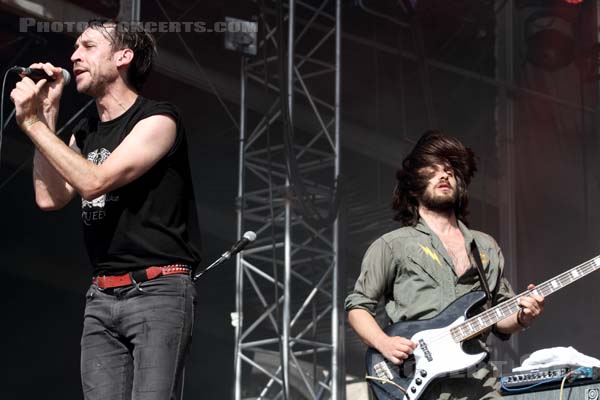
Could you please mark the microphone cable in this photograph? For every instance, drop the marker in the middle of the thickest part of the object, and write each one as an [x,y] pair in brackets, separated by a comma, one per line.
[67,78]
[2,113]
[3,126]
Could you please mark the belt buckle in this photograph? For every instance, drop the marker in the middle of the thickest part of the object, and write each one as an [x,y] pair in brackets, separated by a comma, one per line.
[135,283]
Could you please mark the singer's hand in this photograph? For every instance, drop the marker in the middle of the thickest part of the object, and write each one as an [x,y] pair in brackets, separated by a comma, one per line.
[25,96]
[50,93]
[38,101]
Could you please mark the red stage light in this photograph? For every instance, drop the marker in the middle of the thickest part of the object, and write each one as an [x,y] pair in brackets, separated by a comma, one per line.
[574,1]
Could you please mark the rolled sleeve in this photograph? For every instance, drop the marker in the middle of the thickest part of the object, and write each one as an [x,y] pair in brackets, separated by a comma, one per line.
[504,292]
[375,279]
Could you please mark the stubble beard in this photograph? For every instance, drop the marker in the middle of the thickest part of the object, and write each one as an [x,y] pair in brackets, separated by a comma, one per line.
[439,203]
[92,88]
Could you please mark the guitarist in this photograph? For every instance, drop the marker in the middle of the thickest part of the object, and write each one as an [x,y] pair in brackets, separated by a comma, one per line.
[419,269]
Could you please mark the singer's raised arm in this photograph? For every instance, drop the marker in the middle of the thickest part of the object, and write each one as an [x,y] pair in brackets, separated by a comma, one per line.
[149,141]
[52,191]
[39,103]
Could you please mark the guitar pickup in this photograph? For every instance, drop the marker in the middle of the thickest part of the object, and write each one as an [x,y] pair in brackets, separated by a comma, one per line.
[383,371]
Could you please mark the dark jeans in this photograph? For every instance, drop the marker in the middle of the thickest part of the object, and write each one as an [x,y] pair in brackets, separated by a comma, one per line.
[136,339]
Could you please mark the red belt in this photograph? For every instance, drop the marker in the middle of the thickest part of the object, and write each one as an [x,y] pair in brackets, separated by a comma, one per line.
[112,281]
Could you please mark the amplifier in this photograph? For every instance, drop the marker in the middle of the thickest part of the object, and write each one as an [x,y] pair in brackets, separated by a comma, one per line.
[541,378]
[533,376]
[589,391]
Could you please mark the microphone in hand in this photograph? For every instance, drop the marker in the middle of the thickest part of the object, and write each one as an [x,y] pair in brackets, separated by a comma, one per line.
[36,74]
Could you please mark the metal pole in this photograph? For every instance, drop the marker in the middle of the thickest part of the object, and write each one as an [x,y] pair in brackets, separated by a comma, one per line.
[136,8]
[288,215]
[508,229]
[593,147]
[337,355]
[285,351]
[290,63]
[510,153]
[129,10]
[240,215]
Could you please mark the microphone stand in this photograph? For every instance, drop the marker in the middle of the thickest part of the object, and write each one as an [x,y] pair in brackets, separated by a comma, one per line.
[225,256]
[248,238]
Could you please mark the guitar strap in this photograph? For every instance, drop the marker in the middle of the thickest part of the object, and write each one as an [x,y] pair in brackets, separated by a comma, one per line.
[479,266]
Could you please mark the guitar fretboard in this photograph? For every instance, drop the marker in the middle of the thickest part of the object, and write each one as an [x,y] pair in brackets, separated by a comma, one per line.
[479,323]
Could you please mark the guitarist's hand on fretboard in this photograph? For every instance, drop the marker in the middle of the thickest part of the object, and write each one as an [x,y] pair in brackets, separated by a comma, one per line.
[531,307]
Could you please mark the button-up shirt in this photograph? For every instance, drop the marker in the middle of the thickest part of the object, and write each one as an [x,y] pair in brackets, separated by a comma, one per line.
[411,271]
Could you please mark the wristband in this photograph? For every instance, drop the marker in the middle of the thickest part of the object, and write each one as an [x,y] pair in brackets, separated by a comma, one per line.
[521,324]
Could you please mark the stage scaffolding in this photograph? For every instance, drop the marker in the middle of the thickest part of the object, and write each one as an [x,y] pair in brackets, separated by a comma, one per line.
[288,318]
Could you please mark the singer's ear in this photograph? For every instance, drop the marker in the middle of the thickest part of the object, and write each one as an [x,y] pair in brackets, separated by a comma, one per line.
[124,57]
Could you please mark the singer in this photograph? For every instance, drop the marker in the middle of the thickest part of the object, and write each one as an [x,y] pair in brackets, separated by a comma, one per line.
[128,162]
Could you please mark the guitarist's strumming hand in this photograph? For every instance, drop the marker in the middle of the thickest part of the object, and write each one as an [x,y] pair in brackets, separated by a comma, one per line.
[395,348]
[531,307]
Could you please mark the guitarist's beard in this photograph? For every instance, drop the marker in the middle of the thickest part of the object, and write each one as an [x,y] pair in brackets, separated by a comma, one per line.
[442,204]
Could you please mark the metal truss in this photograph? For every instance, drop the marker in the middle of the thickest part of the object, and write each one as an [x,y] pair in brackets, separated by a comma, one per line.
[288,312]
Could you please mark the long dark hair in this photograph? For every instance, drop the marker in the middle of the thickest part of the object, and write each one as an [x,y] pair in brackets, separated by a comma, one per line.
[432,148]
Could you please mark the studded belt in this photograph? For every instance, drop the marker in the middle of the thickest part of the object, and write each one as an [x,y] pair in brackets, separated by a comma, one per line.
[132,278]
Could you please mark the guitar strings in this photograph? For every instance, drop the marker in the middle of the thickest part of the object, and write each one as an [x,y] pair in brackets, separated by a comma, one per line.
[510,307]
[565,279]
[507,307]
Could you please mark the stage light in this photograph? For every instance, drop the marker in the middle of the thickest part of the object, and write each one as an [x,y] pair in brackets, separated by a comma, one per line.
[574,1]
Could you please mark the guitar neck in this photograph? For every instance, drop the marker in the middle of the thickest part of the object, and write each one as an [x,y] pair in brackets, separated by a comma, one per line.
[479,323]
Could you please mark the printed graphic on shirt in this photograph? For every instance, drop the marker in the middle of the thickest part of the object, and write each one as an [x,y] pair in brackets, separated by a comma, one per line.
[95,210]
[484,260]
[431,254]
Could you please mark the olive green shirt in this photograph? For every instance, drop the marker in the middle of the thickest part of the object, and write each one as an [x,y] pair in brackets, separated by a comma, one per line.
[411,271]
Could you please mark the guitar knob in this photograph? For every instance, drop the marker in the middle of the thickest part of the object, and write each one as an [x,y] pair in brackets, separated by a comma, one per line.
[418,381]
[413,389]
[423,373]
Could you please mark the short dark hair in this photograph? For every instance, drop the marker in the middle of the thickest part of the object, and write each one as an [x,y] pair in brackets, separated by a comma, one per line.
[432,148]
[130,35]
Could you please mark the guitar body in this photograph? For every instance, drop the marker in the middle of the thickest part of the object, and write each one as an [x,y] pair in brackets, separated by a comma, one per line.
[437,354]
[440,351]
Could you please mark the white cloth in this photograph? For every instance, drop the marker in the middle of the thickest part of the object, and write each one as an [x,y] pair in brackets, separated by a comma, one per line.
[557,356]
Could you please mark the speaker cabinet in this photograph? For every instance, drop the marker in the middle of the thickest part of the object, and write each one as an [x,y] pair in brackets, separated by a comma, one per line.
[590,391]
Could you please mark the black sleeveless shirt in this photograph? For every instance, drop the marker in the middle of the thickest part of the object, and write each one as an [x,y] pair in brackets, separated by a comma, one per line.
[150,221]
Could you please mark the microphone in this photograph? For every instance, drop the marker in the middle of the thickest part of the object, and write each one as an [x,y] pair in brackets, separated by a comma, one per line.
[36,74]
[248,238]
